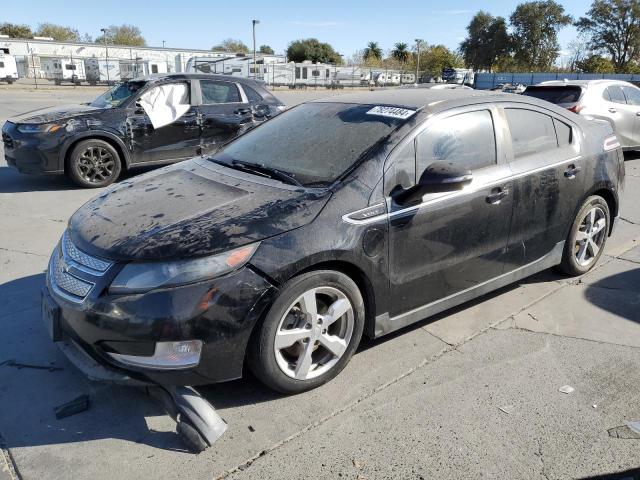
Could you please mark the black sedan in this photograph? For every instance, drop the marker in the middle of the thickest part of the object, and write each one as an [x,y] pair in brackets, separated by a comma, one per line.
[358,214]
[153,120]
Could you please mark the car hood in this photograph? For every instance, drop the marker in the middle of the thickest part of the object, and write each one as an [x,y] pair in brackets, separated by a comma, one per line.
[191,209]
[54,114]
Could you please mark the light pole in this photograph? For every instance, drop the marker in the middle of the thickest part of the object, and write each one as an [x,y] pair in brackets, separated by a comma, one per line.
[162,43]
[106,55]
[418,42]
[254,22]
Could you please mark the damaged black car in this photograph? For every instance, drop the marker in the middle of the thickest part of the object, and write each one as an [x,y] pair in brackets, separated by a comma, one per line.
[355,215]
[154,120]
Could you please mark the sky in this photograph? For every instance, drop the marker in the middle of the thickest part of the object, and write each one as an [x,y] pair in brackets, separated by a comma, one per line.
[346,24]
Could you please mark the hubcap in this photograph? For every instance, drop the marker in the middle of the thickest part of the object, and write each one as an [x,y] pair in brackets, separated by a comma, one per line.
[590,236]
[96,164]
[314,333]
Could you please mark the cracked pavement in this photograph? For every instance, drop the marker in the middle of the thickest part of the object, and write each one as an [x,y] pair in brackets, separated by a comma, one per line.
[423,403]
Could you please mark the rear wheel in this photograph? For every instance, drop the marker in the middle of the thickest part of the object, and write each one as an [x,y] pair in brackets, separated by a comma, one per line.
[94,163]
[310,333]
[587,237]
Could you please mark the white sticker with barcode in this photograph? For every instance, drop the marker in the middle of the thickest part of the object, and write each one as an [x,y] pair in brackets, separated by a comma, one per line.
[392,112]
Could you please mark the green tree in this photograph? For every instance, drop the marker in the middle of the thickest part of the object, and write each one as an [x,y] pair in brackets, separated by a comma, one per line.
[232,46]
[16,31]
[372,52]
[58,32]
[400,53]
[487,40]
[535,28]
[435,58]
[613,26]
[266,50]
[312,49]
[128,35]
[595,64]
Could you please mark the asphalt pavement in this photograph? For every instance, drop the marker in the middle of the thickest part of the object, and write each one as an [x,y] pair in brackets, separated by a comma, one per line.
[473,392]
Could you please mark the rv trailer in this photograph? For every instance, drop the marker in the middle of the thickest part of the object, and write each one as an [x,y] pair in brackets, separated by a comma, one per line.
[61,70]
[100,70]
[8,67]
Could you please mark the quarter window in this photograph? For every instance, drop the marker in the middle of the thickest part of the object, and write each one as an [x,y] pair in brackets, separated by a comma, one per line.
[251,94]
[632,94]
[466,138]
[616,95]
[531,131]
[218,92]
[563,132]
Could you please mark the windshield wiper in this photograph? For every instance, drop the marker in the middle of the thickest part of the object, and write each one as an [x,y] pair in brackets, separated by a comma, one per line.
[261,170]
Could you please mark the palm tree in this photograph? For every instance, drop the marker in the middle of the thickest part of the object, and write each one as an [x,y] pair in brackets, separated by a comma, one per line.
[400,52]
[372,52]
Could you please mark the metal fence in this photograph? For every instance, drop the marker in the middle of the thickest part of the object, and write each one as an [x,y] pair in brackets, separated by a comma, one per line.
[486,81]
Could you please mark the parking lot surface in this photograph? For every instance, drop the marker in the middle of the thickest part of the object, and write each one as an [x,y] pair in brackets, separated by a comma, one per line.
[472,392]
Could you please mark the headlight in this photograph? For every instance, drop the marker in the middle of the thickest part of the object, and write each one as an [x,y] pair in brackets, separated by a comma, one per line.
[141,277]
[40,127]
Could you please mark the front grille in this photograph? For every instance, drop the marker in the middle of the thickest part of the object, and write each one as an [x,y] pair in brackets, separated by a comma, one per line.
[72,272]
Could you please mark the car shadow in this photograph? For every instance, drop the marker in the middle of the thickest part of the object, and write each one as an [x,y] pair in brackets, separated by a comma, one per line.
[11,181]
[618,294]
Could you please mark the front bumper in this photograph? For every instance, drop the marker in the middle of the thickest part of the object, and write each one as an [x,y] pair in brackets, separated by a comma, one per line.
[32,153]
[220,312]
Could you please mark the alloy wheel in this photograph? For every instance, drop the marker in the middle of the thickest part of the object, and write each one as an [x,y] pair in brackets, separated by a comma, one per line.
[590,236]
[96,164]
[314,333]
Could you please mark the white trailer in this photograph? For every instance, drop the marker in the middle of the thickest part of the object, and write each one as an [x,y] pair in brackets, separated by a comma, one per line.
[101,70]
[8,68]
[130,69]
[61,70]
[388,78]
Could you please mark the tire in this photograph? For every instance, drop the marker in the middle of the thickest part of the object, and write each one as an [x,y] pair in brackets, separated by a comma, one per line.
[580,255]
[308,362]
[93,163]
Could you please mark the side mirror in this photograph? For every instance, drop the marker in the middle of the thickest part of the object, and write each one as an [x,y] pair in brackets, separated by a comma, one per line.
[437,177]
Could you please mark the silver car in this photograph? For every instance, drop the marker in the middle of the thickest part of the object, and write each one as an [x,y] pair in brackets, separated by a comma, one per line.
[612,100]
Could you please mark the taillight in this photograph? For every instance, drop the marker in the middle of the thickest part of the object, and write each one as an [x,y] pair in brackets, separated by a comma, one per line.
[576,108]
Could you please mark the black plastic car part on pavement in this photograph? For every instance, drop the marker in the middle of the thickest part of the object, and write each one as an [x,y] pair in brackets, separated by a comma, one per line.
[93,143]
[359,214]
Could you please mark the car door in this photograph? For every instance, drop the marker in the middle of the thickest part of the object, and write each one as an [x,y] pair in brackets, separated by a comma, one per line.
[622,114]
[225,113]
[177,140]
[261,110]
[451,241]
[548,183]
[632,94]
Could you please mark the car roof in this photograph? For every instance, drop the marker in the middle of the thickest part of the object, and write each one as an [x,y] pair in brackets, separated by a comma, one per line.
[580,83]
[433,100]
[157,77]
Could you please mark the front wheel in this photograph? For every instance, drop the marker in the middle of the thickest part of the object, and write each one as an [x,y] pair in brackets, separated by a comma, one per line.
[94,163]
[310,333]
[587,237]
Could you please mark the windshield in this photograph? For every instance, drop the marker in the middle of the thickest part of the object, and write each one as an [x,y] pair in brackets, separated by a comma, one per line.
[117,95]
[315,143]
[557,95]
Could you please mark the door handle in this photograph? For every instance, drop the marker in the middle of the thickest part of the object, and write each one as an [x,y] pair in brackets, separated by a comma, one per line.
[243,111]
[613,110]
[571,171]
[496,195]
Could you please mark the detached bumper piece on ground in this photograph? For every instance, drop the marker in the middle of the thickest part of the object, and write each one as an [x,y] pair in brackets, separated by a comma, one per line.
[198,423]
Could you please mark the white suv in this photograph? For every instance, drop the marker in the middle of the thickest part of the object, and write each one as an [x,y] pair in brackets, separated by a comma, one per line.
[612,100]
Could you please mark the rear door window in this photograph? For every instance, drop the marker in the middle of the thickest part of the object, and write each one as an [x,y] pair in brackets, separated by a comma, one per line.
[467,139]
[531,131]
[632,94]
[616,95]
[218,92]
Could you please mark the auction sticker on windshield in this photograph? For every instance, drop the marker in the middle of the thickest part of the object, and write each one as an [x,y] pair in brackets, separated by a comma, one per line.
[393,112]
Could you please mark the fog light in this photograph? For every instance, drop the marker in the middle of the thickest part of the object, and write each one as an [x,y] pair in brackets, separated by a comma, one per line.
[167,356]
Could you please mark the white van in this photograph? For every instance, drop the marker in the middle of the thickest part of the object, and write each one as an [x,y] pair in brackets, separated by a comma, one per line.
[8,68]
